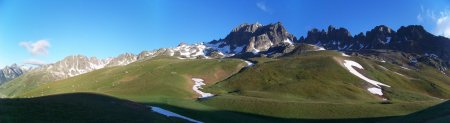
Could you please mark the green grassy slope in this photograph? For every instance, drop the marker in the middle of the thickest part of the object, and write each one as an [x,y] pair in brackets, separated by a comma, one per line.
[317,78]
[315,85]
[24,83]
[310,85]
[76,108]
[146,80]
[158,81]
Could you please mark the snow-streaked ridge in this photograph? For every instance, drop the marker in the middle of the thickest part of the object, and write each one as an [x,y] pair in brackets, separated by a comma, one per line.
[189,51]
[78,64]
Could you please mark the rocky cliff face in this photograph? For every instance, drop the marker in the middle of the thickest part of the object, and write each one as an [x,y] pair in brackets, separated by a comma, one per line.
[254,38]
[413,41]
[11,72]
[410,39]
[73,66]
[123,59]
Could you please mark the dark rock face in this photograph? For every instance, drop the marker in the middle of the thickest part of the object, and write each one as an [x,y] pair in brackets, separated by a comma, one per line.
[409,39]
[331,39]
[381,37]
[256,37]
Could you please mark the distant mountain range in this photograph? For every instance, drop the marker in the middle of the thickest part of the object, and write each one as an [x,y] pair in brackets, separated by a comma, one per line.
[256,73]
[272,40]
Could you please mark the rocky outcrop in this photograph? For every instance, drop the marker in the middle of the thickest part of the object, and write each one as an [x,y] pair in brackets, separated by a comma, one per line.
[11,72]
[254,38]
[409,39]
[123,59]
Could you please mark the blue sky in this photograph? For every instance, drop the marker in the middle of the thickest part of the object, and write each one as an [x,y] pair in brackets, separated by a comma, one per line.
[45,31]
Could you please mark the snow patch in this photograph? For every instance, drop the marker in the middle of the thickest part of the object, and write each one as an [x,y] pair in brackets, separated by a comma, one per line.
[198,83]
[383,67]
[189,51]
[392,71]
[399,74]
[226,49]
[345,55]
[288,41]
[248,63]
[405,68]
[376,91]
[255,51]
[171,114]
[350,64]
[388,40]
[317,47]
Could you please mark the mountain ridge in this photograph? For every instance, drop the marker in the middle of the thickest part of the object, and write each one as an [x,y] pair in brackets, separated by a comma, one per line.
[268,72]
[273,40]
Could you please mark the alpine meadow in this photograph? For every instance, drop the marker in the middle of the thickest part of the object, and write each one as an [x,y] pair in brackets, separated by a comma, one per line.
[224,61]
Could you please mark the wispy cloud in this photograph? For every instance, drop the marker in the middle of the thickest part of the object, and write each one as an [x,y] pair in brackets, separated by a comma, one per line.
[439,19]
[443,25]
[39,47]
[262,6]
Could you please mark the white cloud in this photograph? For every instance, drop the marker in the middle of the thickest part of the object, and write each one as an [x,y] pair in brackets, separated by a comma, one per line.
[262,6]
[34,62]
[443,26]
[36,48]
[440,22]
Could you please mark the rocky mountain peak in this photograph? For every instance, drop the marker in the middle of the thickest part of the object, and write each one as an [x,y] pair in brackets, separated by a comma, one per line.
[254,38]
[11,72]
[247,27]
[410,39]
[382,28]
[340,34]
[413,32]
[122,59]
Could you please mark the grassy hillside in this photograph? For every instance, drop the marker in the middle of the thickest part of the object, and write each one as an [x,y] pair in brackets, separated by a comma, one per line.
[301,87]
[316,85]
[145,80]
[164,82]
[76,108]
[24,83]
